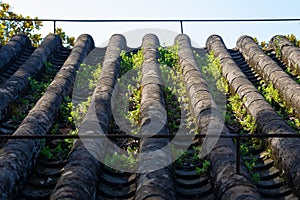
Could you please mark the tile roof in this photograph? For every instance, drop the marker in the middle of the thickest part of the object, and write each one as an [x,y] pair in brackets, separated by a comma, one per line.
[26,174]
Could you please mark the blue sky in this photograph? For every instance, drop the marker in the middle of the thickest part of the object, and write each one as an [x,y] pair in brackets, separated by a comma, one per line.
[159,9]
